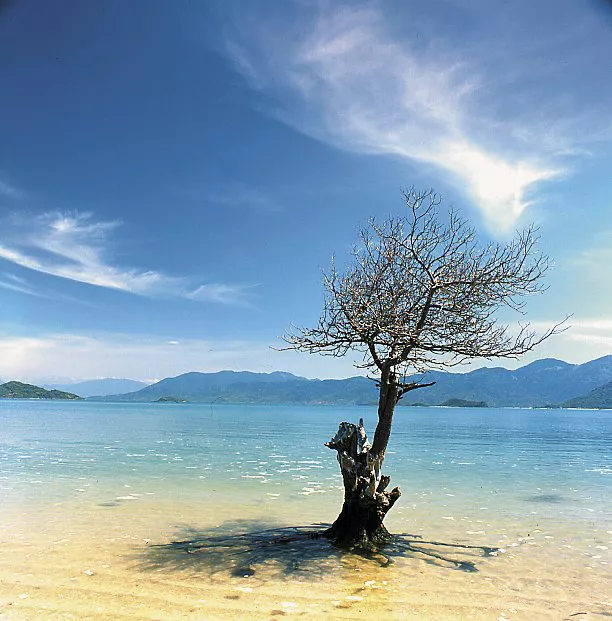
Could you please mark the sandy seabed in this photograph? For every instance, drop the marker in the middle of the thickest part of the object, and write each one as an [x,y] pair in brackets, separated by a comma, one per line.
[87,560]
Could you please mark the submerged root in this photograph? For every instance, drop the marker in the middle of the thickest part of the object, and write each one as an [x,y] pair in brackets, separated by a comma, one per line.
[357,538]
[314,551]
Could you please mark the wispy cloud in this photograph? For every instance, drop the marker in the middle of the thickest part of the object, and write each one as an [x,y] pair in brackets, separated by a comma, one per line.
[79,356]
[73,247]
[596,259]
[224,294]
[593,332]
[235,195]
[588,271]
[15,283]
[9,190]
[240,195]
[76,247]
[585,338]
[347,81]
[12,282]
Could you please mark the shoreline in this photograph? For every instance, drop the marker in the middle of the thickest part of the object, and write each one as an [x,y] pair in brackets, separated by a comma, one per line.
[94,562]
[93,497]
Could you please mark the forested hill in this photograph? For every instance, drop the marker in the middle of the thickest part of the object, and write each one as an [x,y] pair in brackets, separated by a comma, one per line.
[601,398]
[264,388]
[17,390]
[541,383]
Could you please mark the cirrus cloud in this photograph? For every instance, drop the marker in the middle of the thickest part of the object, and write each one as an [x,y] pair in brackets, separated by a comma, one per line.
[75,246]
[346,79]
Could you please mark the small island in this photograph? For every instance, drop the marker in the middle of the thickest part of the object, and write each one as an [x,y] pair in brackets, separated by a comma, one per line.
[170,400]
[451,403]
[18,390]
[464,403]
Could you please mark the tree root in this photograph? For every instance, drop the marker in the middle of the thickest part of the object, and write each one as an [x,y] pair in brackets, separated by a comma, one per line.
[299,549]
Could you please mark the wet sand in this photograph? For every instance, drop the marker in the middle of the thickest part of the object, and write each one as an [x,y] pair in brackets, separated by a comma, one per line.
[90,560]
[93,495]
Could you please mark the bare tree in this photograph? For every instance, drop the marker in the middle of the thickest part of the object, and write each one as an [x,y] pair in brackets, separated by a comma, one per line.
[421,293]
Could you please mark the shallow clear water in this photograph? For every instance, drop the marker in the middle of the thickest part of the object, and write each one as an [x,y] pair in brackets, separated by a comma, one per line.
[522,460]
[536,483]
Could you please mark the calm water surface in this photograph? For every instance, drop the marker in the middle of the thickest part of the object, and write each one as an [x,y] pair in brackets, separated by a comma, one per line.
[87,489]
[553,462]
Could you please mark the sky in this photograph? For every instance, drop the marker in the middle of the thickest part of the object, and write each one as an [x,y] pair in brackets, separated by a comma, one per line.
[175,176]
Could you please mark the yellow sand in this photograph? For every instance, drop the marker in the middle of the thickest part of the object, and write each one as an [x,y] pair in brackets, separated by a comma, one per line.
[77,560]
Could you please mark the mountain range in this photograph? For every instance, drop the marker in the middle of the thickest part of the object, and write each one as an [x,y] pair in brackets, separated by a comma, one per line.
[542,383]
[247,387]
[106,386]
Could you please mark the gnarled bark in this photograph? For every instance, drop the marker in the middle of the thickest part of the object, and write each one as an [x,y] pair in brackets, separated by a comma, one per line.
[366,501]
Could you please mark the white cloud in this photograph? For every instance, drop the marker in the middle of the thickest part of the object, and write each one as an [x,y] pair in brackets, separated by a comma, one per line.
[591,333]
[586,338]
[351,84]
[225,294]
[76,247]
[79,356]
[73,247]
[14,283]
[601,325]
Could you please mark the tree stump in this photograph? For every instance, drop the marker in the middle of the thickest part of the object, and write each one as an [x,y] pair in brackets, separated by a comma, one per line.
[366,503]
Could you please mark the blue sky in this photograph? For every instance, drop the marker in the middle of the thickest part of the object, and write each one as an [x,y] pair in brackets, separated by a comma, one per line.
[174,176]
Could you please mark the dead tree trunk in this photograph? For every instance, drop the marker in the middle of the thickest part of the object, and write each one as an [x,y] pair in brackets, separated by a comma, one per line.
[360,523]
[366,501]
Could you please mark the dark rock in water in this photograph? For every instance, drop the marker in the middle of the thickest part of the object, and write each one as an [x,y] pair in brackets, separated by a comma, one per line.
[243,572]
[545,498]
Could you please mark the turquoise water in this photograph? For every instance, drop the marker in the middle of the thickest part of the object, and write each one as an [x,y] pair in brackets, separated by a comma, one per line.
[554,463]
[92,495]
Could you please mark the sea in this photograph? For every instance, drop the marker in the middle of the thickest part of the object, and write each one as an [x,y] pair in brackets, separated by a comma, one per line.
[198,511]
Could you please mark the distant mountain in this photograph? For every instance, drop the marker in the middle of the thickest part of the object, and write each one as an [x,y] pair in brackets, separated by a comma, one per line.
[100,387]
[17,390]
[247,387]
[598,399]
[538,384]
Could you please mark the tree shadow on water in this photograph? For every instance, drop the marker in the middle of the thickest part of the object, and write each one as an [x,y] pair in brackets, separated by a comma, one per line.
[244,548]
